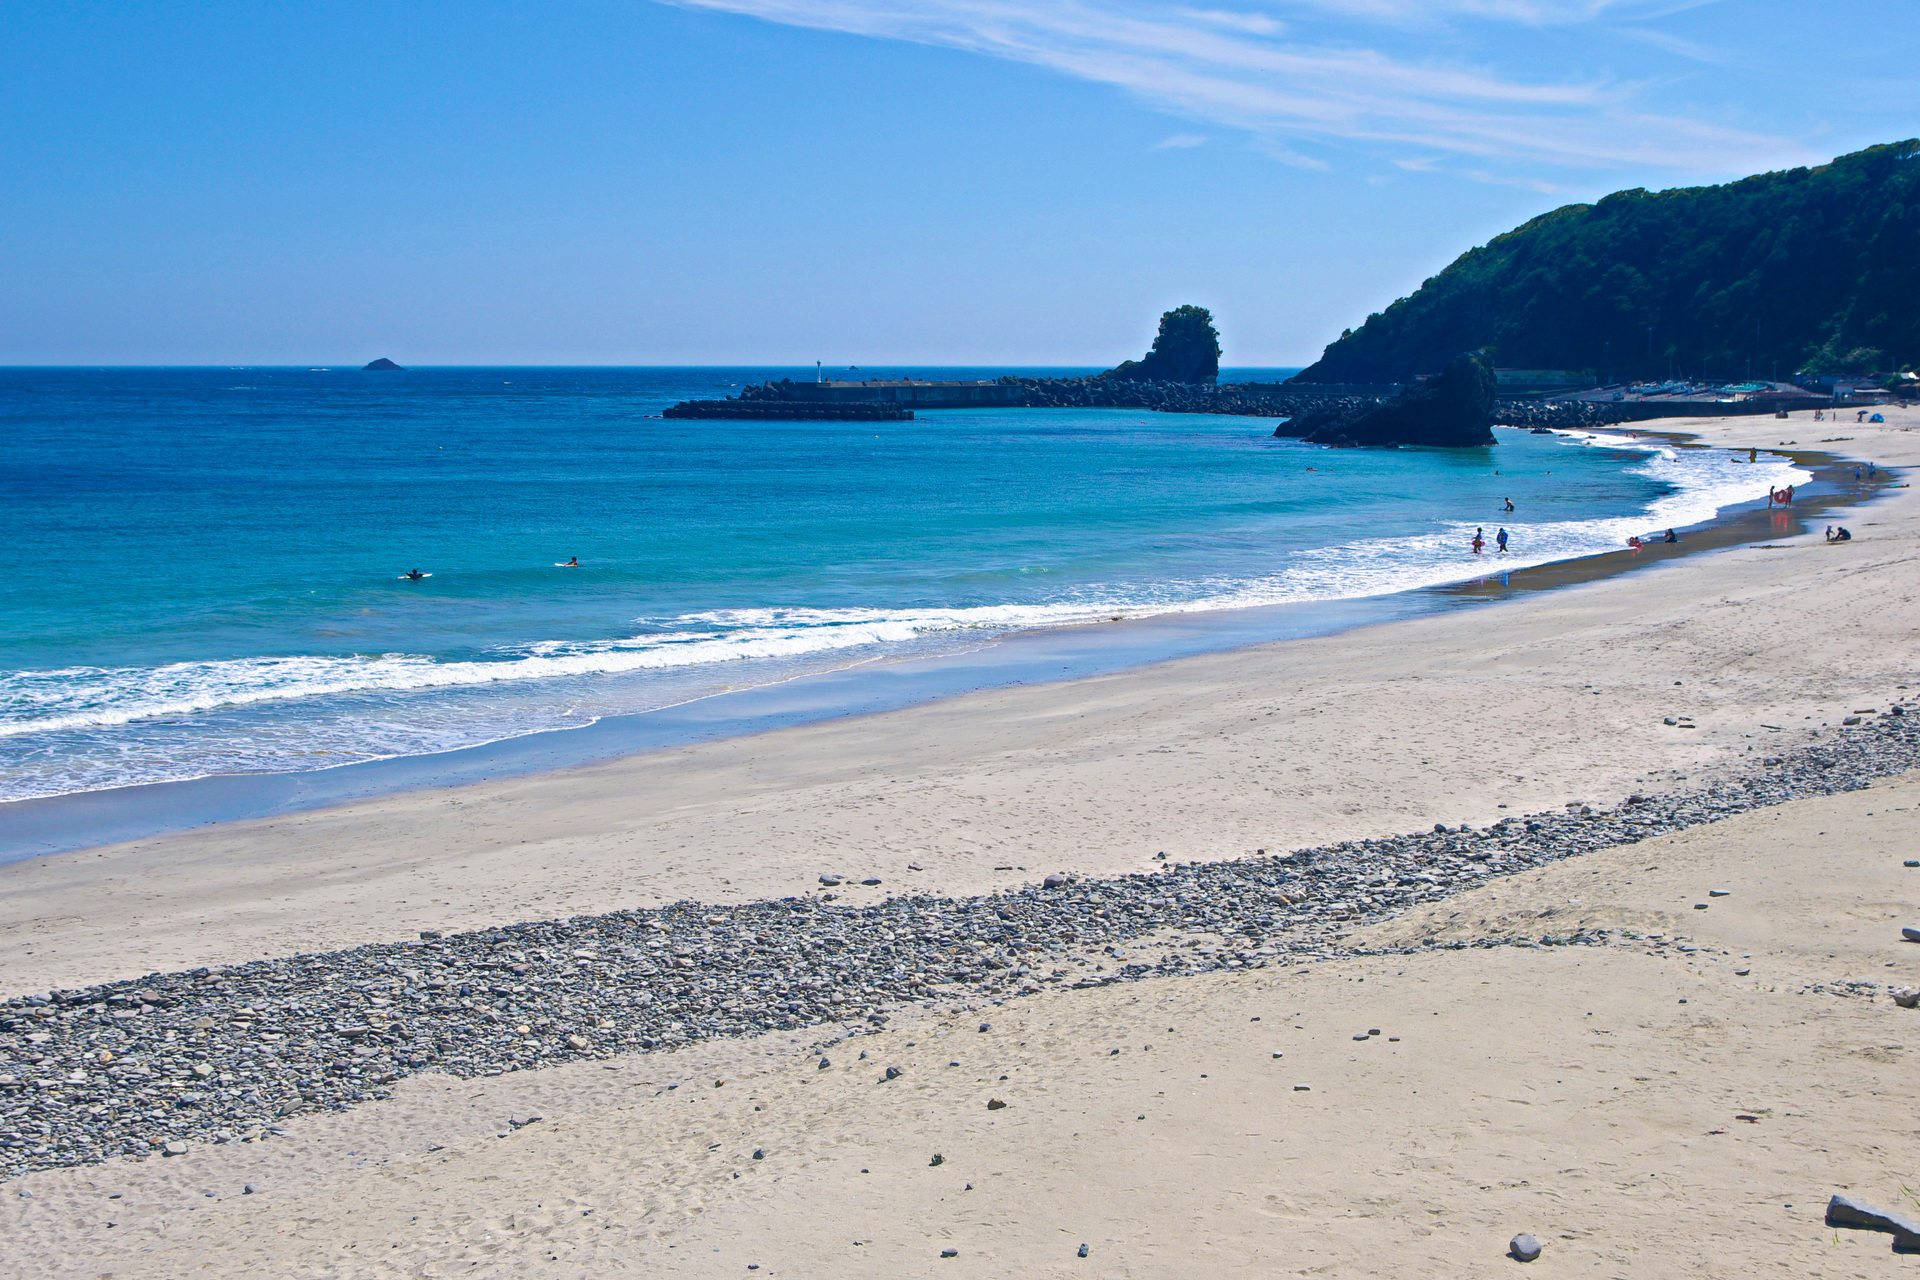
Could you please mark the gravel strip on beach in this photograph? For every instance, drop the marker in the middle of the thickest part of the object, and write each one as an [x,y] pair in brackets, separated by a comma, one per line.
[146,1066]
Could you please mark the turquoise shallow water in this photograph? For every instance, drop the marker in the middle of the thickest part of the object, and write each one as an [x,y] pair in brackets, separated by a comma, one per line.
[203,569]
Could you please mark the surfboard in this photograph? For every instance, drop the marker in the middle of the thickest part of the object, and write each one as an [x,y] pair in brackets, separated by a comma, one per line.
[562,564]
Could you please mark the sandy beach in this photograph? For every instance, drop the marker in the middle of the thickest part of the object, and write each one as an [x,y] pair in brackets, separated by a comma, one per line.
[1554,697]
[1589,1095]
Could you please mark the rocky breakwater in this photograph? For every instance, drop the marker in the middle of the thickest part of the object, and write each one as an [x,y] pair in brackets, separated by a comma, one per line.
[146,1067]
[1453,410]
[766,410]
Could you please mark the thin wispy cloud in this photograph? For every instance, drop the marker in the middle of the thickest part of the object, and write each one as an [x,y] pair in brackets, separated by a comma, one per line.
[1678,46]
[1180,140]
[1249,68]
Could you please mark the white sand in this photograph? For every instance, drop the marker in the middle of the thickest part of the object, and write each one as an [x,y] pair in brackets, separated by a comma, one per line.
[1531,703]
[1561,1091]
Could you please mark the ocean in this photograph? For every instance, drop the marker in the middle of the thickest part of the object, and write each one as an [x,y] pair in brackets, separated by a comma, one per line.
[203,567]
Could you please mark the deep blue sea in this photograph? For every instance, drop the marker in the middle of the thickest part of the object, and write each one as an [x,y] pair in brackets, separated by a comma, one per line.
[202,567]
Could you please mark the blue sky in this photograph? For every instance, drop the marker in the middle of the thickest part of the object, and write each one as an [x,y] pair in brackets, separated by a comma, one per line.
[856,181]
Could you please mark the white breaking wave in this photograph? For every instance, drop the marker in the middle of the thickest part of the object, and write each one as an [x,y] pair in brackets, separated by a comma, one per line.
[95,698]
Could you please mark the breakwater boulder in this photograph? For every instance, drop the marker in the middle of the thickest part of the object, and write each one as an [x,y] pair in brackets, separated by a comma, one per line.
[761,410]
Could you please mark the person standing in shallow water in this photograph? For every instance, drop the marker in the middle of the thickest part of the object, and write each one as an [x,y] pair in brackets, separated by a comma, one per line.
[1500,541]
[1479,539]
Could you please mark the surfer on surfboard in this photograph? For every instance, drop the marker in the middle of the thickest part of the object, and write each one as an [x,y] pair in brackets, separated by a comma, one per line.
[414,575]
[570,564]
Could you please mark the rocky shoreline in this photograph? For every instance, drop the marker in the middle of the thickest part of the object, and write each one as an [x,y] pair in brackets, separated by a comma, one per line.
[1279,400]
[149,1066]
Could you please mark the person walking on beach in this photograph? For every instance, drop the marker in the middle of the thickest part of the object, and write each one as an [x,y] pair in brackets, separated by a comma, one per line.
[1479,539]
[1500,540]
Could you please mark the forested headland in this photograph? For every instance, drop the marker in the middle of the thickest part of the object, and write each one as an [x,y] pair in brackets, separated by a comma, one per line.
[1811,270]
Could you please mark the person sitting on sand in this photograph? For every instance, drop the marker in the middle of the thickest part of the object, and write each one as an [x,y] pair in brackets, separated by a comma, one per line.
[1635,543]
[1838,534]
[1479,540]
[1671,537]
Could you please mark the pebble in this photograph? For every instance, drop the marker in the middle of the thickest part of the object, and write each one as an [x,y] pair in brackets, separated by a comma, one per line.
[936,1161]
[1910,933]
[1718,893]
[1524,1247]
[949,1253]
[223,1054]
[1083,1252]
[994,1104]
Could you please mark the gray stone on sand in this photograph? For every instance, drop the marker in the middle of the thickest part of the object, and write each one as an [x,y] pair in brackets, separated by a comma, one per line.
[1524,1247]
[1845,1211]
